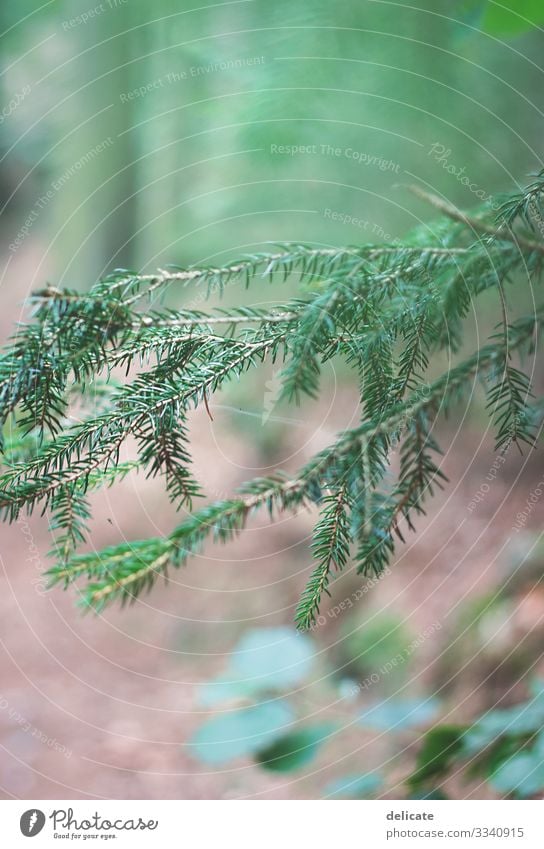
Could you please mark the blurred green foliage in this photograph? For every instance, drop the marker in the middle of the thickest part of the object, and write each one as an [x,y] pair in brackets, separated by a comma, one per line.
[265,660]
[371,644]
[196,101]
[241,732]
[505,747]
[512,16]
[259,711]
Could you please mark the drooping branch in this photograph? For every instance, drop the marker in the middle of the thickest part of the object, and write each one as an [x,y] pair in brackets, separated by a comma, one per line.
[387,310]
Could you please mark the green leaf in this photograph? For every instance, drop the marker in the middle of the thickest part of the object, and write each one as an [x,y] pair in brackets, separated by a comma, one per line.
[355,786]
[526,718]
[539,744]
[295,749]
[512,17]
[393,715]
[265,659]
[241,732]
[441,746]
[275,658]
[486,762]
[371,645]
[522,775]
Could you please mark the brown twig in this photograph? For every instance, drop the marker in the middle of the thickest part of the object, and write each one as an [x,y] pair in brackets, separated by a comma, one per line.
[476,224]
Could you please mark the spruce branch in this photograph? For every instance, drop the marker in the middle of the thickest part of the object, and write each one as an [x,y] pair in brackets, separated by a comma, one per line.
[330,547]
[166,390]
[123,571]
[478,225]
[525,207]
[387,310]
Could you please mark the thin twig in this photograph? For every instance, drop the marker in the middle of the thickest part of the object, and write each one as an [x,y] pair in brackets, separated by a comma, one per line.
[273,318]
[476,224]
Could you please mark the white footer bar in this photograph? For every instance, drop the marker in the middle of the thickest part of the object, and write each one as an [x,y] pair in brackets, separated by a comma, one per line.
[273,824]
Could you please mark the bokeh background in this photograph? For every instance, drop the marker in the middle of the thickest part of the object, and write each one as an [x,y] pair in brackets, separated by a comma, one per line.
[136,134]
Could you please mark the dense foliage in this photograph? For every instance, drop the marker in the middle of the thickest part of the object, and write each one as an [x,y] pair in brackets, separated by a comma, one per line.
[386,308]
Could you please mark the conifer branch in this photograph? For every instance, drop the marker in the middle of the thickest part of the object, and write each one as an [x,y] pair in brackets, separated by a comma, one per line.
[330,547]
[476,224]
[387,310]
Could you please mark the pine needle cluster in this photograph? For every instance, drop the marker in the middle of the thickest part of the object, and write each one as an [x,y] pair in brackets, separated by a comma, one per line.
[387,309]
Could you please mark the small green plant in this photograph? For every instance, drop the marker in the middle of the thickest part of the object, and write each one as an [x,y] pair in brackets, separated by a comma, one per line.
[505,746]
[260,701]
[387,309]
[253,714]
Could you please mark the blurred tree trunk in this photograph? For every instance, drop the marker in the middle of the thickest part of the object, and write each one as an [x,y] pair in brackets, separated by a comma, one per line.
[100,196]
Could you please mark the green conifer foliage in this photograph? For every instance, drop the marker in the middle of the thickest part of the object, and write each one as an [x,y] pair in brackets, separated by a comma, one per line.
[386,308]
